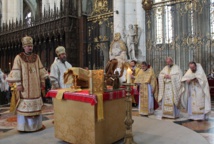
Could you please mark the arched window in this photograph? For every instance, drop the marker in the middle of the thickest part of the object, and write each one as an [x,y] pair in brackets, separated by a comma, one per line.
[164,32]
[168,24]
[159,26]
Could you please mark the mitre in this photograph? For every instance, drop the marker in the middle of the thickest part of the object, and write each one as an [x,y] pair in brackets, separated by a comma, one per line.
[59,50]
[27,40]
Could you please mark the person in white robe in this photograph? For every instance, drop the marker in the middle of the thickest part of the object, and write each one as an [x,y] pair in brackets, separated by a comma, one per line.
[170,89]
[196,99]
[1,76]
[58,68]
[4,84]
[5,87]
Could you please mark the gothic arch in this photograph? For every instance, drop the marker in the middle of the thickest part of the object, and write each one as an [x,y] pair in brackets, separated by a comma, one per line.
[32,5]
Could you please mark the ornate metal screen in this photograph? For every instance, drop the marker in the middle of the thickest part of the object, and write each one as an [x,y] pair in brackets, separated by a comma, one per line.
[183,30]
[100,32]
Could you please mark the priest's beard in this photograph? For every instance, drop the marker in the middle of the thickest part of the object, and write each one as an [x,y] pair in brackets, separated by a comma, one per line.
[63,60]
[193,70]
[170,65]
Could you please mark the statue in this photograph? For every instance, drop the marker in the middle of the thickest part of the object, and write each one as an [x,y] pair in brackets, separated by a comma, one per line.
[89,7]
[118,50]
[132,40]
[147,4]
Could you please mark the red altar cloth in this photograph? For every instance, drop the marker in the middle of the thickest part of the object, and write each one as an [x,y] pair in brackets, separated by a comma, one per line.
[84,95]
[135,93]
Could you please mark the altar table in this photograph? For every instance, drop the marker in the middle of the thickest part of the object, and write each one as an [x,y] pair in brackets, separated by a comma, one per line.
[75,119]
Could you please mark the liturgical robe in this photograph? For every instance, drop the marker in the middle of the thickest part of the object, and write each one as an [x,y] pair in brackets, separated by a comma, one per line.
[170,91]
[196,98]
[57,72]
[148,83]
[29,72]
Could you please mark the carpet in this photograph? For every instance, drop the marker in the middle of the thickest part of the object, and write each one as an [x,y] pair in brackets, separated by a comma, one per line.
[8,120]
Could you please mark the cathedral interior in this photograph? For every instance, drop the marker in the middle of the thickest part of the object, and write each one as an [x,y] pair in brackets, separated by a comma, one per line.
[96,31]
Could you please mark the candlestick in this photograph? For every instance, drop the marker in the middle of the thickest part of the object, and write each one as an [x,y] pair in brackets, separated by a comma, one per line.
[128,139]
[9,66]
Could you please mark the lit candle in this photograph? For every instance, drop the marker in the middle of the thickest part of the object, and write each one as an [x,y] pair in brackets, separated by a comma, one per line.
[128,75]
[9,66]
[90,81]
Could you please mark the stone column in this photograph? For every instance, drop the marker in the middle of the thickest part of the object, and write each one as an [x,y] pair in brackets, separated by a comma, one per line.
[140,17]
[119,16]
[4,11]
[52,2]
[57,2]
[45,5]
[130,13]
[18,10]
[12,10]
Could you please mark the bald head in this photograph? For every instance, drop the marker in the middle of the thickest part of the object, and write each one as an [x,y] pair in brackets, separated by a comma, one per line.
[169,61]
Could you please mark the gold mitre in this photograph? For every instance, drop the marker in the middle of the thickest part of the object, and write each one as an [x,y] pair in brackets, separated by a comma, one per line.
[27,40]
[59,50]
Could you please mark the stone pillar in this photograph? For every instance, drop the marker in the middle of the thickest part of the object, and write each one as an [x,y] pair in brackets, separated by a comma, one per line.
[19,10]
[50,3]
[140,17]
[130,13]
[57,3]
[12,10]
[45,5]
[4,11]
[119,18]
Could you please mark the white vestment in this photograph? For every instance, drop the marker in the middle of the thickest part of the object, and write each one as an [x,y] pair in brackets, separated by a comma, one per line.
[196,98]
[29,123]
[4,84]
[170,91]
[57,71]
[1,77]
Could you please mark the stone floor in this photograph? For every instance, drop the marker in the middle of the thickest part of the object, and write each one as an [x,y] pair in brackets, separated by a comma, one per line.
[203,128]
[145,131]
